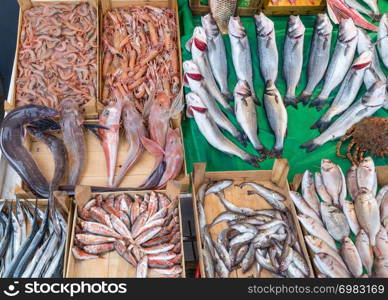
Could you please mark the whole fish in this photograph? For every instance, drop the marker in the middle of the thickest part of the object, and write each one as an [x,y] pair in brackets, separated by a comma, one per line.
[222,251]
[304,207]
[99,229]
[196,83]
[319,55]
[321,188]
[219,186]
[173,157]
[91,239]
[134,130]
[245,111]
[350,213]
[220,267]
[382,39]
[319,246]
[73,136]
[99,249]
[16,233]
[209,129]
[217,54]
[199,50]
[335,221]
[308,192]
[374,6]
[248,259]
[348,90]
[233,208]
[293,57]
[208,262]
[365,250]
[366,175]
[351,257]
[351,182]
[277,117]
[340,61]
[46,255]
[222,10]
[368,214]
[241,53]
[55,262]
[12,145]
[339,11]
[82,255]
[266,47]
[333,180]
[381,248]
[331,267]
[372,100]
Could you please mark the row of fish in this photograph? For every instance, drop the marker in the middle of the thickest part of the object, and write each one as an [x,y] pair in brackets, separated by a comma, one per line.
[145,231]
[29,245]
[57,56]
[329,217]
[252,240]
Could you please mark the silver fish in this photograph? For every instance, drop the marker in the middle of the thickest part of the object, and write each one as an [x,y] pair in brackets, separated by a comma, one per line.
[382,39]
[365,250]
[321,189]
[331,267]
[277,117]
[219,186]
[372,100]
[374,6]
[142,267]
[319,55]
[303,206]
[21,220]
[366,175]
[209,129]
[245,111]
[308,191]
[217,54]
[226,216]
[335,221]
[351,182]
[17,234]
[348,90]
[241,52]
[233,208]
[368,214]
[351,257]
[198,46]
[360,8]
[208,262]
[266,47]
[340,61]
[220,267]
[350,213]
[293,57]
[294,272]
[248,259]
[222,251]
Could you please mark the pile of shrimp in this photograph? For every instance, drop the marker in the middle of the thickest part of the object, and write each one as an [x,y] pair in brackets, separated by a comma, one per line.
[58,55]
[140,55]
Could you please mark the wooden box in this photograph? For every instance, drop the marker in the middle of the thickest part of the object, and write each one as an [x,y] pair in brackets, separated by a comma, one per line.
[201,9]
[111,265]
[302,7]
[90,108]
[275,179]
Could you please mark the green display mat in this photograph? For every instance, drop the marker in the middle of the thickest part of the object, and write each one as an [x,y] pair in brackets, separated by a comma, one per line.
[299,120]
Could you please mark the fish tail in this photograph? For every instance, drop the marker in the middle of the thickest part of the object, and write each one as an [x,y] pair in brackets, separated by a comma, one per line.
[253,160]
[309,146]
[264,152]
[318,103]
[278,153]
[290,100]
[321,124]
[304,97]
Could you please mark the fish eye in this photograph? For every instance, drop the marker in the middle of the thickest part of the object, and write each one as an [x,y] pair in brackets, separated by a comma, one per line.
[106,113]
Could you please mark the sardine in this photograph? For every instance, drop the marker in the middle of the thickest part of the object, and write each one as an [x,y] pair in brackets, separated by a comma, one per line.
[340,61]
[219,186]
[365,250]
[382,39]
[266,47]
[321,189]
[277,117]
[366,175]
[304,207]
[241,53]
[293,57]
[351,257]
[350,213]
[348,90]
[372,100]
[335,221]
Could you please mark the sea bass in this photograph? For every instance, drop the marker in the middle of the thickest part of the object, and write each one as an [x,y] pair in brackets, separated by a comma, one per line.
[266,47]
[340,61]
[217,54]
[241,52]
[293,57]
[222,10]
[365,107]
[319,55]
[382,39]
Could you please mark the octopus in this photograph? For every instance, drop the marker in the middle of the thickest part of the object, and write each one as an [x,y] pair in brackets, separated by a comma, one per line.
[369,135]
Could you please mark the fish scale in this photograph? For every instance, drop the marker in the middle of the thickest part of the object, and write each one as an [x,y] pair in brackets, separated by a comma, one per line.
[222,10]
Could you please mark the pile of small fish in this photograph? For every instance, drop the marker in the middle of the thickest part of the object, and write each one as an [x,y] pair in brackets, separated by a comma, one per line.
[29,245]
[259,239]
[145,231]
[329,217]
[57,54]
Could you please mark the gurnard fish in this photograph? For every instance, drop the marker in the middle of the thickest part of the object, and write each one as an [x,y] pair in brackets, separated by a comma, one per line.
[338,11]
[319,56]
[209,129]
[199,50]
[73,136]
[277,117]
[245,111]
[110,118]
[134,130]
[241,52]
[340,61]
[365,107]
[382,39]
[348,90]
[196,83]
[217,54]
[293,57]
[12,145]
[222,10]
[266,47]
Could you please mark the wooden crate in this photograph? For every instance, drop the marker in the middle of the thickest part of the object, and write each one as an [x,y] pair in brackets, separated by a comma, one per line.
[253,8]
[111,265]
[65,206]
[275,179]
[302,7]
[90,108]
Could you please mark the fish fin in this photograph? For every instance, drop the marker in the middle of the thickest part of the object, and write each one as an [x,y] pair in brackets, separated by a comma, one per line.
[318,103]
[332,14]
[264,152]
[153,180]
[309,146]
[278,153]
[95,132]
[304,98]
[151,146]
[46,124]
[148,103]
[188,44]
[290,100]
